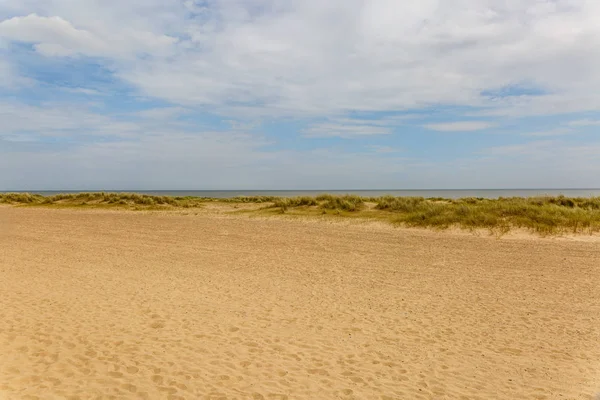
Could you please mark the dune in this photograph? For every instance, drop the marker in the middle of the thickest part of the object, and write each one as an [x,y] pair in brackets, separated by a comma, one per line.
[140,305]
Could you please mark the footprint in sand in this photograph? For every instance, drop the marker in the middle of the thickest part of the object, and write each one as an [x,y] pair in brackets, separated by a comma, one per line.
[132,370]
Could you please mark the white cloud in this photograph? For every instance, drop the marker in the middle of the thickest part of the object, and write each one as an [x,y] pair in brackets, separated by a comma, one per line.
[57,37]
[459,126]
[307,57]
[310,60]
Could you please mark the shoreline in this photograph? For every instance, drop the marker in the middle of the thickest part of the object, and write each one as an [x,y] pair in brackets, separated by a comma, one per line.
[448,193]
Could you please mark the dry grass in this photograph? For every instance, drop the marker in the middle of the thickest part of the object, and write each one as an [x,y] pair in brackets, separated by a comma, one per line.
[127,200]
[343,203]
[542,215]
[285,203]
[101,199]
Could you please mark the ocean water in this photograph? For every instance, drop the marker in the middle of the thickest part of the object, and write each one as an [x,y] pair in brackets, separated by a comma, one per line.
[447,193]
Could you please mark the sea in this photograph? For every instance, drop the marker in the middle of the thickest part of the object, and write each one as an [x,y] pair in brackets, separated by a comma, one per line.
[444,193]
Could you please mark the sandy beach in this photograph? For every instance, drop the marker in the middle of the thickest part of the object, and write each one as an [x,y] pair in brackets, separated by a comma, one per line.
[138,305]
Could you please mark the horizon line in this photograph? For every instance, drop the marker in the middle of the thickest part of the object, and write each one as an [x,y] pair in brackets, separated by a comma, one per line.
[276,190]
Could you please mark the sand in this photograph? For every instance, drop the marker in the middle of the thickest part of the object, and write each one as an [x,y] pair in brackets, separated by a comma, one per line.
[135,305]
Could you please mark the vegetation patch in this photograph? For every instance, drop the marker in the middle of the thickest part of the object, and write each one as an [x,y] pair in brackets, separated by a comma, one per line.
[542,215]
[341,203]
[545,215]
[285,203]
[102,199]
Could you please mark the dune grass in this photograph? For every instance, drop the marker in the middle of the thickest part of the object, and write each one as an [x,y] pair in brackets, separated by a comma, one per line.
[285,203]
[101,200]
[344,203]
[122,199]
[542,215]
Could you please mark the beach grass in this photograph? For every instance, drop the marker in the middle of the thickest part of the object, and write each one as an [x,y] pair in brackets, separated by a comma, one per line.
[545,215]
[122,199]
[100,199]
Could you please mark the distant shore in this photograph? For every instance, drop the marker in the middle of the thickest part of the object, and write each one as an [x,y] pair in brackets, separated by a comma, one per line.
[544,215]
[445,193]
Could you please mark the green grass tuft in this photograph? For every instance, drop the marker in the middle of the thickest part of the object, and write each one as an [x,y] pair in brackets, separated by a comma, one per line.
[285,203]
[341,203]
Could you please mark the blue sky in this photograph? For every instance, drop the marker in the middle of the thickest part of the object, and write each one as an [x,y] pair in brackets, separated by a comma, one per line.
[265,94]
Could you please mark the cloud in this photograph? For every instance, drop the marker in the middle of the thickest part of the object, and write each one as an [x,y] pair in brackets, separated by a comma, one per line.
[305,57]
[57,37]
[126,151]
[459,126]
[52,36]
[349,69]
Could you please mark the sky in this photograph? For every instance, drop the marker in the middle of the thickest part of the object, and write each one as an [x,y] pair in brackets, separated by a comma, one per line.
[299,94]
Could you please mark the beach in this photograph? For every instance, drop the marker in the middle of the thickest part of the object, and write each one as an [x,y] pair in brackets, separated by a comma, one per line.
[201,305]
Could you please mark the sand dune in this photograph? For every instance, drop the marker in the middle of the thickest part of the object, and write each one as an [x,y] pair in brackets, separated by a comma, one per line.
[125,305]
